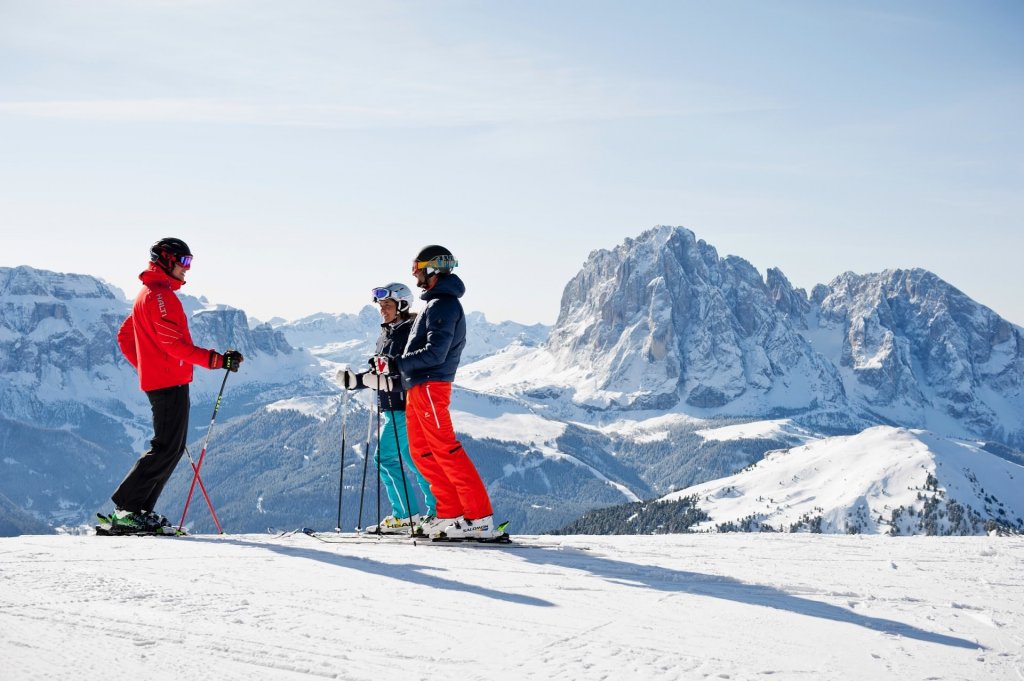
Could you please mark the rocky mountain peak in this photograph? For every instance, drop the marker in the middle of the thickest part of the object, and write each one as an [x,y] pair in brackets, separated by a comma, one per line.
[790,301]
[923,353]
[662,319]
[230,326]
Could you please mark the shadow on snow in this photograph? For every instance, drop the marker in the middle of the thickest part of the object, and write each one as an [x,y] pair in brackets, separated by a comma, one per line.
[731,589]
[415,574]
[627,574]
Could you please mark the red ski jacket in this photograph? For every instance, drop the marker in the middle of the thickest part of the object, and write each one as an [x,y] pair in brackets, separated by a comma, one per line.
[155,338]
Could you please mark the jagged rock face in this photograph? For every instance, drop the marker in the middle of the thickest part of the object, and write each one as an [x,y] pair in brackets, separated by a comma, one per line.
[788,300]
[663,318]
[916,346]
[228,325]
[663,321]
[50,320]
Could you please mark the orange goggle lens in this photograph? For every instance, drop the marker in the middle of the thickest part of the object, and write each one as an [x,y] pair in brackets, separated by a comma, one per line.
[441,262]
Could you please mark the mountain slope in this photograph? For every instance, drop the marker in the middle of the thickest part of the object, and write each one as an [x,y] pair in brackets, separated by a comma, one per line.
[279,467]
[883,480]
[14,521]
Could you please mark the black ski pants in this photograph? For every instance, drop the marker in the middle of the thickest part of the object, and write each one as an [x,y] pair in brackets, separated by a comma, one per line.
[142,486]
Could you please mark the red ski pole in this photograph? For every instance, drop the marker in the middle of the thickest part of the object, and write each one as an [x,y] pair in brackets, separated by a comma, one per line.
[202,455]
[202,488]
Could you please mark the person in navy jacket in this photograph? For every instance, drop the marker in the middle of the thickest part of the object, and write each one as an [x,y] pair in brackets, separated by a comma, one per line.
[427,368]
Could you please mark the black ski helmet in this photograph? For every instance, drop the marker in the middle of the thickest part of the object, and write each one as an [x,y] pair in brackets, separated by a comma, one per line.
[435,260]
[169,251]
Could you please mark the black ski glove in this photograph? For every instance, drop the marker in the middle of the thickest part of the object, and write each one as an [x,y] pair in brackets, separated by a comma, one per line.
[229,360]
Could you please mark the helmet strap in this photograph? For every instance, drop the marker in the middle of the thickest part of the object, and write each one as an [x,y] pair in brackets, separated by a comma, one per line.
[166,261]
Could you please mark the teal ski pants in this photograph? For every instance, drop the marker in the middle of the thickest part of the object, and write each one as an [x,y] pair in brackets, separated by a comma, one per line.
[393,422]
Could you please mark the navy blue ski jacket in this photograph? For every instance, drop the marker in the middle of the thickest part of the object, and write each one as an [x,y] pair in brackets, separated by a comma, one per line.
[437,337]
[391,341]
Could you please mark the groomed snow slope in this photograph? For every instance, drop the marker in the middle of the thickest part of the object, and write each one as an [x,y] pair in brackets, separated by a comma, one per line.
[734,606]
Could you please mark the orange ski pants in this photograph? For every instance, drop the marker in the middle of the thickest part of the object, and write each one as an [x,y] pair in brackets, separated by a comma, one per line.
[439,456]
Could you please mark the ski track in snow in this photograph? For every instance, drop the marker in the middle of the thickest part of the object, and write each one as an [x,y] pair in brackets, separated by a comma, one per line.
[656,607]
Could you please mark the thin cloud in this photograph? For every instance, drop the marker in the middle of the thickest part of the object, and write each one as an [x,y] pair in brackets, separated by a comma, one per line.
[402,112]
[342,66]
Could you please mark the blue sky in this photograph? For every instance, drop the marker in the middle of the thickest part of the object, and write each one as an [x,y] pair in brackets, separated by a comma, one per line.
[306,150]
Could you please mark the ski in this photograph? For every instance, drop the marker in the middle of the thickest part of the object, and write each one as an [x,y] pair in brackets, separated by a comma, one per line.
[497,543]
[500,540]
[108,530]
[335,537]
[504,540]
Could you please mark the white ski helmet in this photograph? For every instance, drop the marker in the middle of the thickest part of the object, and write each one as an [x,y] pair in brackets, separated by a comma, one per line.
[395,291]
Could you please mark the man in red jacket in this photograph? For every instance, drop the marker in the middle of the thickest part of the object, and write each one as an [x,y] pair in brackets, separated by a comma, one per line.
[156,341]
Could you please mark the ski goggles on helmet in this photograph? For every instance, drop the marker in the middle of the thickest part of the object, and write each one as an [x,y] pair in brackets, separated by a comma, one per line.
[185,261]
[440,262]
[380,294]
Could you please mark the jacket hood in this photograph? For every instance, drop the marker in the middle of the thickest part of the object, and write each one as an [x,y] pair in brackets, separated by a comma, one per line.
[447,285]
[154,275]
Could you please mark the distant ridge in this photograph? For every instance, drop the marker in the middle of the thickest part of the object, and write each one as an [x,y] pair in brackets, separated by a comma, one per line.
[883,480]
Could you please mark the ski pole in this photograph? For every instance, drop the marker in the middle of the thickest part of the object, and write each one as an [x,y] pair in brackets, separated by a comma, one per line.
[202,454]
[366,458]
[202,488]
[341,473]
[401,467]
[378,465]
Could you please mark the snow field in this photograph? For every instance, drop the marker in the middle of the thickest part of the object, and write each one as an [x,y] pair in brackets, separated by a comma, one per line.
[737,606]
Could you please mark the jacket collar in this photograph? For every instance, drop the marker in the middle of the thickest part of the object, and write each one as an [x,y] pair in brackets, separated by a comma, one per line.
[447,285]
[154,276]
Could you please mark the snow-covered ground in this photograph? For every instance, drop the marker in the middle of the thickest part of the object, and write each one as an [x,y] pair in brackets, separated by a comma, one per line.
[737,606]
[778,429]
[876,481]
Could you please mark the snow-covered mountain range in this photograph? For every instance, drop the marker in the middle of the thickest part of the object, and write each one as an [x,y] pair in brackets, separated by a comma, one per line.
[663,323]
[72,415]
[351,338]
[658,342]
